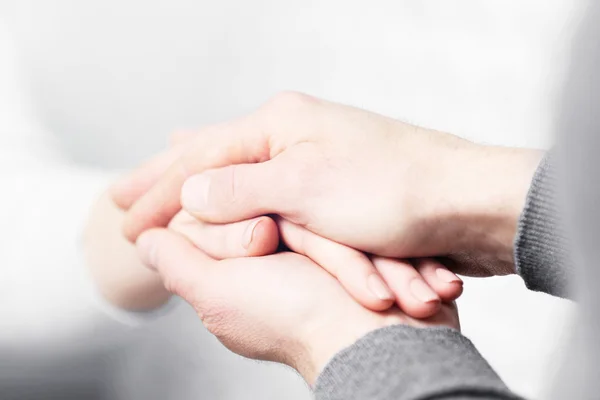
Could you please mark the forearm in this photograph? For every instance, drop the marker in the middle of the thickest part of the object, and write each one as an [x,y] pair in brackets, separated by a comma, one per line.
[485,196]
[518,218]
[114,264]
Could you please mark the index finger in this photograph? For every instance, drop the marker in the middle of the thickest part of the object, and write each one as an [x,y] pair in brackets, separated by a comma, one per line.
[128,189]
[243,141]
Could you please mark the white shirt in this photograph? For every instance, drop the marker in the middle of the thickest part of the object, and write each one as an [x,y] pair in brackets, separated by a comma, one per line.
[45,293]
[57,335]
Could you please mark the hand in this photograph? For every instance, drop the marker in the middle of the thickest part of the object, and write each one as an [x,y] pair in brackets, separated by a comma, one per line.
[281,308]
[369,182]
[418,287]
[418,290]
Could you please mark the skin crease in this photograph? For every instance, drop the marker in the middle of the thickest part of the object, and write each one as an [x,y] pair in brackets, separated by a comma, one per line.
[339,262]
[419,196]
[259,308]
[125,282]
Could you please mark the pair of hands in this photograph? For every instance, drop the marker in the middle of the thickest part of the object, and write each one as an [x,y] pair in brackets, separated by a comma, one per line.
[360,180]
[281,307]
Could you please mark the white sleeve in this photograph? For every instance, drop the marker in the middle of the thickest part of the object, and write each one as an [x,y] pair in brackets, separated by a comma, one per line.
[22,140]
[46,295]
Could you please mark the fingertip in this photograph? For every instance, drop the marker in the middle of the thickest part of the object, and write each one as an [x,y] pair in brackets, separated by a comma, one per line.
[377,305]
[146,245]
[379,296]
[265,238]
[412,294]
[423,302]
[129,229]
[134,225]
[444,282]
[119,194]
[446,275]
[146,215]
[451,291]
[368,292]
[422,292]
[419,310]
[429,311]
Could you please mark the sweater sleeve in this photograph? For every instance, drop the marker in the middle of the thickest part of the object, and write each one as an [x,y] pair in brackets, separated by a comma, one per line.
[541,245]
[405,363]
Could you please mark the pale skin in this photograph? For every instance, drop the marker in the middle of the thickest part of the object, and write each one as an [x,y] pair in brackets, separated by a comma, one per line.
[354,179]
[360,179]
[286,307]
[127,283]
[280,307]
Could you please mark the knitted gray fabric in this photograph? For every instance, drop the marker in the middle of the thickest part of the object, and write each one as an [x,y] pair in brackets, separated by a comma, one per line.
[541,245]
[401,362]
[404,363]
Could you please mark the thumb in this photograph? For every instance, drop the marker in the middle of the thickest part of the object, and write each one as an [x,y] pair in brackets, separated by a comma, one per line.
[183,268]
[238,192]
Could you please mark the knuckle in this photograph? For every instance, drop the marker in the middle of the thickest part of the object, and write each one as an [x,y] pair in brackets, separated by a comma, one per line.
[178,286]
[290,98]
[289,101]
[305,181]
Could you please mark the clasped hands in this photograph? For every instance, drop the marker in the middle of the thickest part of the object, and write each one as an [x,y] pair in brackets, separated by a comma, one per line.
[372,211]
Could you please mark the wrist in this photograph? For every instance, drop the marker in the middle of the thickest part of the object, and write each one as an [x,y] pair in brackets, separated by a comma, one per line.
[114,264]
[489,195]
[323,345]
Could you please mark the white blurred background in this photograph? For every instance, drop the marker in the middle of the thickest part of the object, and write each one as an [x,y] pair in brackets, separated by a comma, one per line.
[113,78]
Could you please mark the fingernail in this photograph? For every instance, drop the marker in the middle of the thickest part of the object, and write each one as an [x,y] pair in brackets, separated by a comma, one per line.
[379,288]
[146,250]
[422,292]
[249,234]
[447,276]
[194,193]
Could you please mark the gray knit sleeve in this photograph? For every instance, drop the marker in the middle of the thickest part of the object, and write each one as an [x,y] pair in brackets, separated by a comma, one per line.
[405,363]
[541,246]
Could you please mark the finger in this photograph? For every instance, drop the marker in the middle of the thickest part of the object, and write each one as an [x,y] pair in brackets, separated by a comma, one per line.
[238,142]
[352,268]
[413,294]
[251,238]
[447,285]
[238,192]
[178,137]
[184,269]
[128,189]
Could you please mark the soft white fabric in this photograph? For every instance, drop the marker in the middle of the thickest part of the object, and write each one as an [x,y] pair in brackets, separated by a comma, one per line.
[47,298]
[57,334]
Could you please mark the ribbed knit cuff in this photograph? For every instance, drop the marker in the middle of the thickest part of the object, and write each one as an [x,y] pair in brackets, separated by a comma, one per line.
[541,254]
[401,362]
